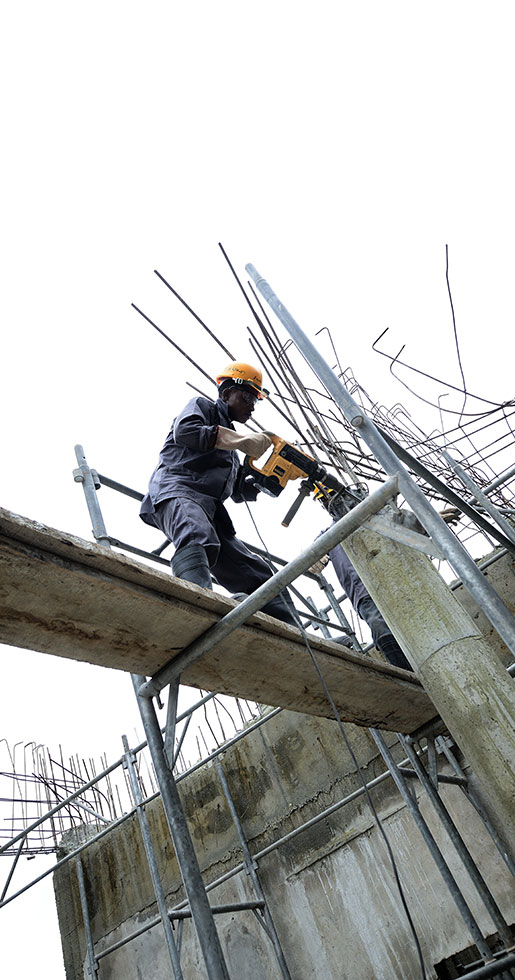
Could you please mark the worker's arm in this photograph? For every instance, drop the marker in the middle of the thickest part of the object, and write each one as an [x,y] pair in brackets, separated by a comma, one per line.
[196,427]
[252,444]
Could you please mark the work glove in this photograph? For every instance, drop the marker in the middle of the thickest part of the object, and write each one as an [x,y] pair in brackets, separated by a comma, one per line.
[253,444]
[319,565]
[245,490]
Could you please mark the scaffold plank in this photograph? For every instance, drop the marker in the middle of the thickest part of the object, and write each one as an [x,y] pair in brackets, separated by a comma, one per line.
[72,598]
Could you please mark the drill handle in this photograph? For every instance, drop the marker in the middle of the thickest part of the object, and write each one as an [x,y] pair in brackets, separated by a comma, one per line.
[250,460]
[305,490]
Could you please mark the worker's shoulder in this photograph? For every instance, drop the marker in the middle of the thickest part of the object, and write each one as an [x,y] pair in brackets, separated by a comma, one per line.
[199,411]
[199,405]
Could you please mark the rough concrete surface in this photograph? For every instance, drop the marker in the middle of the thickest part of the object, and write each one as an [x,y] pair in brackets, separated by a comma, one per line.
[501,574]
[330,889]
[462,674]
[69,597]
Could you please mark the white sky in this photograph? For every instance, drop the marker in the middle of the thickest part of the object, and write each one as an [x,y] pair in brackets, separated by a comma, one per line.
[338,147]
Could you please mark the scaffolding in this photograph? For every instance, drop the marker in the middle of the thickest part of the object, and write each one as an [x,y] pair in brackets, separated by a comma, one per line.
[403,773]
[424,751]
[422,748]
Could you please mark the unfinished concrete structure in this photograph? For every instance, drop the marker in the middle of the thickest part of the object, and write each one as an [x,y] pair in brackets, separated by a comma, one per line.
[329,889]
[327,902]
[287,773]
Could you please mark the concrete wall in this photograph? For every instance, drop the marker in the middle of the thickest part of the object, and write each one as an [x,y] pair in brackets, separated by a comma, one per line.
[501,575]
[330,890]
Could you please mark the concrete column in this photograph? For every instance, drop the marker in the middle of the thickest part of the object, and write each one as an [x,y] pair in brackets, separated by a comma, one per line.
[462,675]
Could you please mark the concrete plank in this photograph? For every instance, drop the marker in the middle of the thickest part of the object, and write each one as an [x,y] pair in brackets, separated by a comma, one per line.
[72,598]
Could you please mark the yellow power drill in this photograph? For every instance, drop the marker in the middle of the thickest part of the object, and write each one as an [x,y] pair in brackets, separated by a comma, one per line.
[286,462]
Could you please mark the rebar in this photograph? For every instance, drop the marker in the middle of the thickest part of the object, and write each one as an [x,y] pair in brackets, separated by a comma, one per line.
[460,560]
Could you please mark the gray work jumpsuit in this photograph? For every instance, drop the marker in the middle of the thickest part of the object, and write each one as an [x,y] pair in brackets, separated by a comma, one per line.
[186,494]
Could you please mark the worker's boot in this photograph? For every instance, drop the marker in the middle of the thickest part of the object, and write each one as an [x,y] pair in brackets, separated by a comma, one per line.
[388,646]
[343,640]
[191,564]
[281,607]
[276,607]
[383,638]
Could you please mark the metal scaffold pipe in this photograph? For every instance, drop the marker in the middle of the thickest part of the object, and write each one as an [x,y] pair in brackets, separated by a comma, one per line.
[272,587]
[481,497]
[130,765]
[459,670]
[494,608]
[188,863]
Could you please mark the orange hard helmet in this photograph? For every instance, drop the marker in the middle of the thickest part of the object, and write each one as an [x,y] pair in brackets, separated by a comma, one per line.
[243,374]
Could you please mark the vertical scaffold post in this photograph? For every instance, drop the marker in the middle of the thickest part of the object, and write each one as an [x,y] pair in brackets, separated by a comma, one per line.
[84,475]
[459,844]
[460,672]
[92,960]
[470,794]
[338,611]
[187,859]
[252,871]
[410,800]
[130,766]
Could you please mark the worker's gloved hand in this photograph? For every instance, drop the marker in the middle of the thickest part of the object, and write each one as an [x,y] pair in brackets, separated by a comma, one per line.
[253,444]
[245,490]
[319,565]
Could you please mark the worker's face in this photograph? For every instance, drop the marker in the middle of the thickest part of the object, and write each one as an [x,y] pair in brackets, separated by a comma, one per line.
[241,402]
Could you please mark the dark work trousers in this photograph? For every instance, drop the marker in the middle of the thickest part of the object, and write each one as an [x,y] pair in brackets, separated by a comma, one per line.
[348,577]
[366,608]
[232,565]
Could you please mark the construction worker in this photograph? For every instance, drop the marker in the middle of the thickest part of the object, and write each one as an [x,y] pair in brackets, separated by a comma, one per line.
[197,471]
[362,601]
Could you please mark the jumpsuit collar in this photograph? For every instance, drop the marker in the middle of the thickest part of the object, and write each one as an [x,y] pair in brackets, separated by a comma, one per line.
[223,411]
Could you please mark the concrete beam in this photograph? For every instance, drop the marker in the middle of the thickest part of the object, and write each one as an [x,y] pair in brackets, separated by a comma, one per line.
[71,598]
